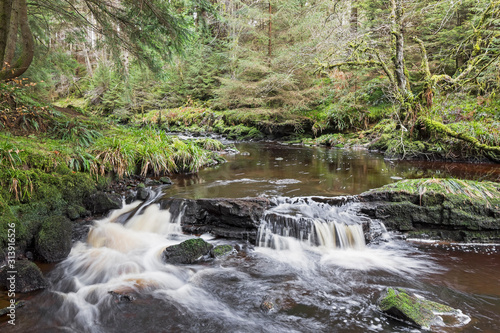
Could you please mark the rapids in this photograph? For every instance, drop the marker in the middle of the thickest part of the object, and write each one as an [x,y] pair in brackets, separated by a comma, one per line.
[310,259]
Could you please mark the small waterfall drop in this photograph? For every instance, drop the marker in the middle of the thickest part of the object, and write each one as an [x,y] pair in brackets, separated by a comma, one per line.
[314,223]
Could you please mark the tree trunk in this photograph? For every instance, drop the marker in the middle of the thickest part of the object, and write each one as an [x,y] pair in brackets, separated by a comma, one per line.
[354,16]
[269,50]
[398,45]
[14,21]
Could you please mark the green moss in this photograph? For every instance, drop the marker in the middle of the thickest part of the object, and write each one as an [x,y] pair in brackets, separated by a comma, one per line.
[221,250]
[407,307]
[455,190]
[53,241]
[187,252]
[455,209]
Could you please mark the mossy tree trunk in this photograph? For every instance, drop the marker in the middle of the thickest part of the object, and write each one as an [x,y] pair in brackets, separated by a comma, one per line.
[14,30]
[398,46]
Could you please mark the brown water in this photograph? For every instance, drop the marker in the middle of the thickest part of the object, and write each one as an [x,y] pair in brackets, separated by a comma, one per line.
[320,289]
[286,170]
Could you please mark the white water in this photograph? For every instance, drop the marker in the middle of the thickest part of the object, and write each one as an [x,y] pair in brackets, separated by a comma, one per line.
[320,269]
[312,223]
[125,259]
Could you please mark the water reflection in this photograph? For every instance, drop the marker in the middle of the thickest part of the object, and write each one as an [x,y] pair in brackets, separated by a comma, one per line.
[273,169]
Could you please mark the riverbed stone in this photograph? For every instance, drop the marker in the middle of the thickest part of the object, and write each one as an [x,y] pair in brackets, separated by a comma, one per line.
[28,277]
[223,217]
[102,202]
[451,209]
[142,193]
[221,251]
[53,241]
[402,305]
[187,252]
[165,180]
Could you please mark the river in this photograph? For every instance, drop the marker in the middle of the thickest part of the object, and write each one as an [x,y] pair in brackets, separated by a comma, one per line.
[328,288]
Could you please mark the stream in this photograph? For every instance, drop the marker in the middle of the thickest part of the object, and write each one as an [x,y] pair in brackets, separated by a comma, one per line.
[321,279]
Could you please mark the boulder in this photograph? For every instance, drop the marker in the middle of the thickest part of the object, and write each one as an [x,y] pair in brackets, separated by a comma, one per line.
[452,209]
[53,241]
[187,252]
[101,202]
[28,277]
[224,217]
[416,311]
[142,193]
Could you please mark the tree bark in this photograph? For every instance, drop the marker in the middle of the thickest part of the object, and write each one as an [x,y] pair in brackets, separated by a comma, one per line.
[398,44]
[354,16]
[14,21]
[269,50]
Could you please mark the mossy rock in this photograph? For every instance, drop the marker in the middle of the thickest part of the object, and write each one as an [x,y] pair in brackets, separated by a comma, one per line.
[28,277]
[187,252]
[53,241]
[451,207]
[405,306]
[165,180]
[221,250]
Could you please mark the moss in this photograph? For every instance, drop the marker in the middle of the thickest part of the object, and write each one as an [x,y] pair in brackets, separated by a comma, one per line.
[8,217]
[187,252]
[221,250]
[53,241]
[454,209]
[28,278]
[407,307]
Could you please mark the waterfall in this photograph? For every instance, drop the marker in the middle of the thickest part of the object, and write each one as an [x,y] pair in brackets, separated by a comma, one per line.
[313,222]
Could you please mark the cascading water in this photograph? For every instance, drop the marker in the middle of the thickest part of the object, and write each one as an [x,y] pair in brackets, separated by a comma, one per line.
[310,261]
[118,259]
[313,223]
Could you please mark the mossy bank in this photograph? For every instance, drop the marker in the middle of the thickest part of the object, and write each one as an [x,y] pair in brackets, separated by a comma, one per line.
[450,209]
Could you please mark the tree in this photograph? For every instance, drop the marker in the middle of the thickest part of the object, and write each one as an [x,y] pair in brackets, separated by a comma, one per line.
[148,29]
[14,23]
[482,39]
[414,96]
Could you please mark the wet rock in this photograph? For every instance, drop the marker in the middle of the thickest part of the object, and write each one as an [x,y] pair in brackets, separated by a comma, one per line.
[229,218]
[447,209]
[53,241]
[81,230]
[270,304]
[9,309]
[28,277]
[152,182]
[142,193]
[221,250]
[101,202]
[123,298]
[187,252]
[130,196]
[407,307]
[165,180]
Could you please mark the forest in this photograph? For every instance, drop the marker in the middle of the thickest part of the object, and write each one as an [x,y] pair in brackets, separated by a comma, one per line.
[245,130]
[416,79]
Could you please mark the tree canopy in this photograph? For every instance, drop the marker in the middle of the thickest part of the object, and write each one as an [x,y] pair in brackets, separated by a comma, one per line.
[149,29]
